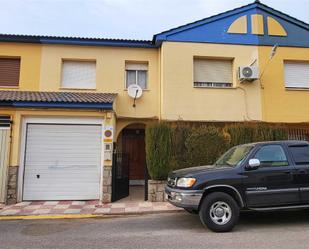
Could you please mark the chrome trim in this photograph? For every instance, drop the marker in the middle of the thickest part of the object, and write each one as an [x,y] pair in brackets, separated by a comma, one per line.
[231,187]
[189,198]
[273,191]
[304,189]
[280,208]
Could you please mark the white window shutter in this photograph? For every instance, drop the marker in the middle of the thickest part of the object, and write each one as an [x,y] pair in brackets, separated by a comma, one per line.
[296,74]
[213,71]
[79,74]
[137,66]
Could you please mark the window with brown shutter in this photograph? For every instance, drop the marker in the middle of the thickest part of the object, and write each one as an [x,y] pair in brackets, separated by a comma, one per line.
[9,72]
[213,73]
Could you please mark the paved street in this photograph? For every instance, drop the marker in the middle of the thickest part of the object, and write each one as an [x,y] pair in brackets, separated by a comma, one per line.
[178,230]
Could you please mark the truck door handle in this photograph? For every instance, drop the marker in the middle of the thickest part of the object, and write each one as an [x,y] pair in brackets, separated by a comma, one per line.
[38,176]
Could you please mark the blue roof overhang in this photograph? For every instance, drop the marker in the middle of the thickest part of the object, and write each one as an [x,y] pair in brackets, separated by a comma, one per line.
[61,105]
[76,41]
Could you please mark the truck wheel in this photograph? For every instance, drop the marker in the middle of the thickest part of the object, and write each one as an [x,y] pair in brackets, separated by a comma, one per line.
[219,212]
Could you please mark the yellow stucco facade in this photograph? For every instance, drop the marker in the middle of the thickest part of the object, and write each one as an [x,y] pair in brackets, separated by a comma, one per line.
[171,94]
[280,104]
[180,100]
[30,57]
[110,74]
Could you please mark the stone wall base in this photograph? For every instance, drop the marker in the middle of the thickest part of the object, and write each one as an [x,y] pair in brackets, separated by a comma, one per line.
[107,184]
[156,191]
[12,185]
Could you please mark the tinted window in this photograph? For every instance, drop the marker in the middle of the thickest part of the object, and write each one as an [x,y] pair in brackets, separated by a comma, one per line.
[272,155]
[234,156]
[300,154]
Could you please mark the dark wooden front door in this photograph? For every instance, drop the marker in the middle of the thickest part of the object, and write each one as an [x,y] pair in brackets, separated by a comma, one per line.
[133,142]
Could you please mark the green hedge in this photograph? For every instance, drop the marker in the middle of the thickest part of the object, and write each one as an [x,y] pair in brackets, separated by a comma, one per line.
[158,150]
[182,145]
[246,133]
[204,145]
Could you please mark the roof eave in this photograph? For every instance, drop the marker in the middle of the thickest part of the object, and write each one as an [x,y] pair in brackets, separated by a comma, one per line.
[76,41]
[62,105]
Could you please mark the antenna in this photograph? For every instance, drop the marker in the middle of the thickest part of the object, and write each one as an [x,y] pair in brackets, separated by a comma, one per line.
[274,51]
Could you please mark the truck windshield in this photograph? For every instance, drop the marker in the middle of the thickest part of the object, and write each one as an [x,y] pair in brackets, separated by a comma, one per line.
[234,156]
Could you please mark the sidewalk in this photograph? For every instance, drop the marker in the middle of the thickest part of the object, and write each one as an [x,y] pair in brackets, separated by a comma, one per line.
[84,208]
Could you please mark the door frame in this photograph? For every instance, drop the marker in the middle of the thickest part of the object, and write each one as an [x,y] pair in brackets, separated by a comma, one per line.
[53,121]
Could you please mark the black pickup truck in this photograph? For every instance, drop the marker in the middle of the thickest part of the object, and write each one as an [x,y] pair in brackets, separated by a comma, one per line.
[262,176]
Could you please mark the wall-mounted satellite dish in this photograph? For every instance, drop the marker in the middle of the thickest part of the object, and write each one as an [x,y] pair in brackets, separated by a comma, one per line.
[135,92]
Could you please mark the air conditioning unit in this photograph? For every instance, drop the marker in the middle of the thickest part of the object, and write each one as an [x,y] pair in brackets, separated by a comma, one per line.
[249,73]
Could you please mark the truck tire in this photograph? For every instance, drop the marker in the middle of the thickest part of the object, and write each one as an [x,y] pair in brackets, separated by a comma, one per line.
[219,212]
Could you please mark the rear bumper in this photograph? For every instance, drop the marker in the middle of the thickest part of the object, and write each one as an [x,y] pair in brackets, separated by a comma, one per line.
[184,198]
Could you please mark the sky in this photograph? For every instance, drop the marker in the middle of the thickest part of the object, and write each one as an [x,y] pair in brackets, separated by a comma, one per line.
[128,19]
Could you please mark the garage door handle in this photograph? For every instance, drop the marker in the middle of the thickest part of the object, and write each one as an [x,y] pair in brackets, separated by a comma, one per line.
[38,176]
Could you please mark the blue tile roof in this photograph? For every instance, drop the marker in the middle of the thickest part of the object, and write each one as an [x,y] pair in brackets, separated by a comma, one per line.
[75,40]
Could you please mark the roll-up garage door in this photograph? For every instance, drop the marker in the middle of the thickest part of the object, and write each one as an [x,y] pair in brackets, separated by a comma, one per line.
[62,162]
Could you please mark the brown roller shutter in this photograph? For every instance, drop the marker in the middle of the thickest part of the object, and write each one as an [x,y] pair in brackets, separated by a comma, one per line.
[9,71]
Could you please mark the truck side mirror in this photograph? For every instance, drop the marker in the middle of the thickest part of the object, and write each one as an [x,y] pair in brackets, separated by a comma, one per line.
[253,164]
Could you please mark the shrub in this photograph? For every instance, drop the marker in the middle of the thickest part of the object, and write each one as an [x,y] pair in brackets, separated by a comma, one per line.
[262,133]
[280,133]
[239,134]
[179,151]
[158,150]
[204,145]
[185,145]
[246,133]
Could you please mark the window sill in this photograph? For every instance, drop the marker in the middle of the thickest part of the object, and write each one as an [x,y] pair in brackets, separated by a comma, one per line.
[211,87]
[9,87]
[296,89]
[77,89]
[144,90]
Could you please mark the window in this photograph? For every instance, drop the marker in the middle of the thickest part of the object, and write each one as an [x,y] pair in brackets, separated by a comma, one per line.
[296,74]
[136,73]
[78,74]
[234,156]
[213,73]
[9,72]
[300,154]
[272,155]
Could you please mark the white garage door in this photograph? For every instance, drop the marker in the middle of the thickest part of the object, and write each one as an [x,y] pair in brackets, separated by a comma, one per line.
[62,162]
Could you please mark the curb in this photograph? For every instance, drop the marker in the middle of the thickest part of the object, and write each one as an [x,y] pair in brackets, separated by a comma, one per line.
[82,216]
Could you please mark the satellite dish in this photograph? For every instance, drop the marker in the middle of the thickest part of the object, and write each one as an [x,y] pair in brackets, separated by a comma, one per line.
[135,91]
